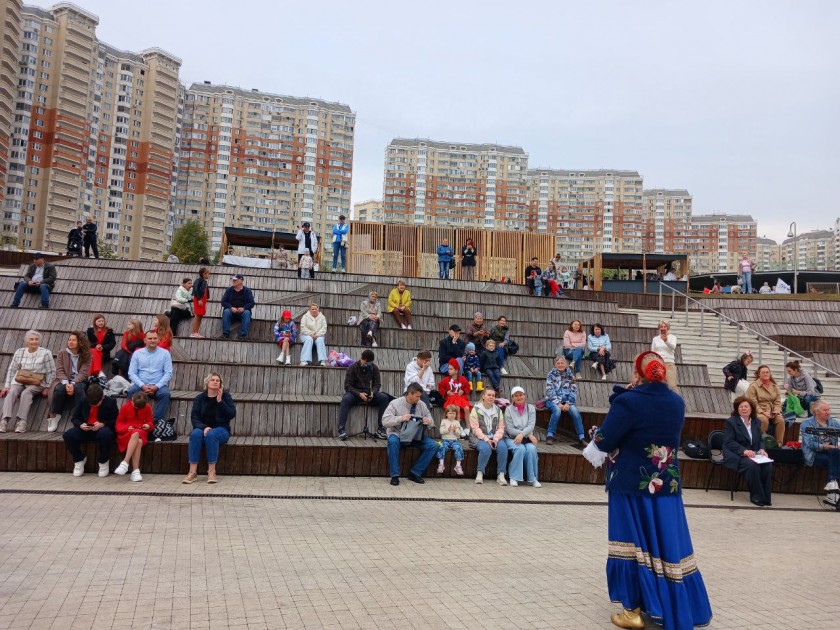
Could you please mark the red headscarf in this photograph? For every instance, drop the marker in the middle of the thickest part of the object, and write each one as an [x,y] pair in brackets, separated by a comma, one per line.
[653,369]
[454,364]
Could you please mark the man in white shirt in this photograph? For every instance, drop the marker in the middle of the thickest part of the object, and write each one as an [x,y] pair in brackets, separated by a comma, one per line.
[419,370]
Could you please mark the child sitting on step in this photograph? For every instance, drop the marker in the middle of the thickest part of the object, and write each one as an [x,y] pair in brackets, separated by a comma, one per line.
[490,365]
[472,368]
[455,390]
[450,430]
[285,334]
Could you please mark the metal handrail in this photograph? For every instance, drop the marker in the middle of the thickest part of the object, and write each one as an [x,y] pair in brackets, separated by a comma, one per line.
[786,351]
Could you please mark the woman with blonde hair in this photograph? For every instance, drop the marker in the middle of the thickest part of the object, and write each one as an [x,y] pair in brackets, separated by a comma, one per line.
[164,331]
[665,345]
[132,339]
[399,305]
[212,411]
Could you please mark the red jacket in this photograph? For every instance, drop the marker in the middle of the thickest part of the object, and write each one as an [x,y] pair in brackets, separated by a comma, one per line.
[131,417]
[443,386]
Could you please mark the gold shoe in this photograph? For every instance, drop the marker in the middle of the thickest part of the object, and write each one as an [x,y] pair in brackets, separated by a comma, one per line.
[211,478]
[628,619]
[190,478]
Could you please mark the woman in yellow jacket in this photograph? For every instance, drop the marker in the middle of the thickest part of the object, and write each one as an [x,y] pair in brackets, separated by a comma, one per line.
[399,305]
[764,394]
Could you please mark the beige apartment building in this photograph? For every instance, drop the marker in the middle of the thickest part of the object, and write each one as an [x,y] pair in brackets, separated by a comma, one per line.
[251,159]
[10,36]
[667,219]
[589,210]
[767,255]
[453,184]
[813,250]
[370,210]
[93,135]
[715,242]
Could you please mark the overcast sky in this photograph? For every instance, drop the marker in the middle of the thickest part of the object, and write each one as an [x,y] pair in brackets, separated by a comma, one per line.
[737,101]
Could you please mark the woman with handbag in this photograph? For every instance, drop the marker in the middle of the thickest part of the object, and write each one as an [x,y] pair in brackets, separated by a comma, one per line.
[201,294]
[132,339]
[72,368]
[32,367]
[212,411]
[102,340]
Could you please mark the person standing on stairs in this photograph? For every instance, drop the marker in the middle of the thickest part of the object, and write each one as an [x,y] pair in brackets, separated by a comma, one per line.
[665,345]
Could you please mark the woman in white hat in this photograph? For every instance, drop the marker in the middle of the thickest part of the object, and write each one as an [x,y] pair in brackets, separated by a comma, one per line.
[520,420]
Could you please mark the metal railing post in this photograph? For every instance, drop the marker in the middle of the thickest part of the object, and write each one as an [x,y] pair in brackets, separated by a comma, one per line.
[660,297]
[720,324]
[784,357]
[738,339]
[760,345]
[686,311]
[673,303]
[702,310]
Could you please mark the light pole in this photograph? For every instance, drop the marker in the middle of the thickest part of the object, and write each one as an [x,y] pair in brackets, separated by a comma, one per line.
[792,234]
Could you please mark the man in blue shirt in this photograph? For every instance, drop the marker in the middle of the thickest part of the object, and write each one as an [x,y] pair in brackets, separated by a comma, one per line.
[339,243]
[150,372]
[237,303]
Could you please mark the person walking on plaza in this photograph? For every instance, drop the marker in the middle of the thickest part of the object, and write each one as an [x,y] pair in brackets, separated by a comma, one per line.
[90,237]
[39,278]
[406,420]
[94,420]
[307,240]
[444,256]
[150,372]
[339,243]
[651,568]
[237,302]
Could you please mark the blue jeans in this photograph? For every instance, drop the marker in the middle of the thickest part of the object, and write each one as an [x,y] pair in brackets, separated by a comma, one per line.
[444,369]
[212,441]
[473,378]
[43,289]
[830,460]
[428,446]
[228,317]
[450,445]
[574,355]
[525,453]
[501,352]
[161,399]
[555,419]
[339,252]
[306,351]
[484,452]
[806,401]
[747,287]
[443,270]
[494,375]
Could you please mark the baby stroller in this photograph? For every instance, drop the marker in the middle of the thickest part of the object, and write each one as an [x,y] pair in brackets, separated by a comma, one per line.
[74,245]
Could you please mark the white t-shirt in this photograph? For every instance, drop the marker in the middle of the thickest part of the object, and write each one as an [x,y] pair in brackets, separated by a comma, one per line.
[665,349]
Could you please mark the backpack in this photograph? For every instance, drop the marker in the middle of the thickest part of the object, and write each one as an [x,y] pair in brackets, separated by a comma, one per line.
[819,385]
[164,431]
[696,449]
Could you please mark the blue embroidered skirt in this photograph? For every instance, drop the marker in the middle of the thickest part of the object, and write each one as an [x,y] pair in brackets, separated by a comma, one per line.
[651,561]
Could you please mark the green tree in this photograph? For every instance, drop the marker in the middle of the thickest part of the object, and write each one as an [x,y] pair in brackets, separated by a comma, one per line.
[190,242]
[105,250]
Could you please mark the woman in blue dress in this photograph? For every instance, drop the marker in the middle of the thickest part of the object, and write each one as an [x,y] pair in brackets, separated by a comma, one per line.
[651,568]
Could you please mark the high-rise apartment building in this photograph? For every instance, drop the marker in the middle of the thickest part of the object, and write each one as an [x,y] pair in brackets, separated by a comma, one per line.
[715,242]
[589,210]
[10,36]
[93,135]
[767,254]
[812,250]
[667,219]
[452,184]
[266,161]
[370,210]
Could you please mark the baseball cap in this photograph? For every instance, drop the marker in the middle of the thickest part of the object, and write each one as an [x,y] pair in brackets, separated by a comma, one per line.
[37,256]
[306,224]
[516,390]
[455,327]
[237,276]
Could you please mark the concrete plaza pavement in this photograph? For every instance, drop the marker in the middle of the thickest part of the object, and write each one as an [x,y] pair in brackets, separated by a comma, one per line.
[303,552]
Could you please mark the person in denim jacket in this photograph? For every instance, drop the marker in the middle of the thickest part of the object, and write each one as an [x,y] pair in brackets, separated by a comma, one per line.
[822,451]
[444,254]
[561,395]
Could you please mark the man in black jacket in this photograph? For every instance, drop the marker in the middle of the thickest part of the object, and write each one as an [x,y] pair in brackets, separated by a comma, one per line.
[361,387]
[89,235]
[39,278]
[533,277]
[93,418]
[451,347]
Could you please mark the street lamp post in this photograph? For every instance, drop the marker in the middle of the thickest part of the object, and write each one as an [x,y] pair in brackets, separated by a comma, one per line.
[792,234]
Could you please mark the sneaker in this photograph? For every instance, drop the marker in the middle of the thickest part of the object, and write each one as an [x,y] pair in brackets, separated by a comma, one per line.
[79,468]
[603,377]
[44,306]
[288,359]
[374,344]
[281,357]
[190,478]
[409,327]
[211,477]
[14,305]
[224,336]
[440,468]
[242,338]
[4,425]
[404,327]
[504,372]
[381,433]
[196,336]
[20,426]
[323,364]
[831,485]
[370,334]
[121,469]
[595,366]
[304,363]
[578,375]
[343,436]
[572,366]
[458,470]
[104,470]
[136,476]
[535,484]
[52,424]
[549,440]
[415,478]
[464,433]
[500,479]
[514,483]
[479,477]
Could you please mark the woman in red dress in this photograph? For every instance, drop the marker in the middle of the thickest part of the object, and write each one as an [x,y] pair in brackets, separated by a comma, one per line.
[102,341]
[455,390]
[133,426]
[201,293]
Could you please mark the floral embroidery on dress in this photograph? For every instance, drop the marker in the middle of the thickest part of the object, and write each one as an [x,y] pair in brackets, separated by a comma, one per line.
[599,435]
[664,458]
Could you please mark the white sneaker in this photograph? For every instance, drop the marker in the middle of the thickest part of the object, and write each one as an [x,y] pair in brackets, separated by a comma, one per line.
[535,484]
[104,470]
[280,357]
[504,372]
[594,366]
[4,425]
[500,479]
[288,359]
[136,476]
[409,326]
[832,485]
[304,363]
[604,377]
[53,424]
[404,327]
[370,334]
[479,477]
[514,482]
[323,364]
[121,469]
[79,468]
[463,433]
[374,344]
